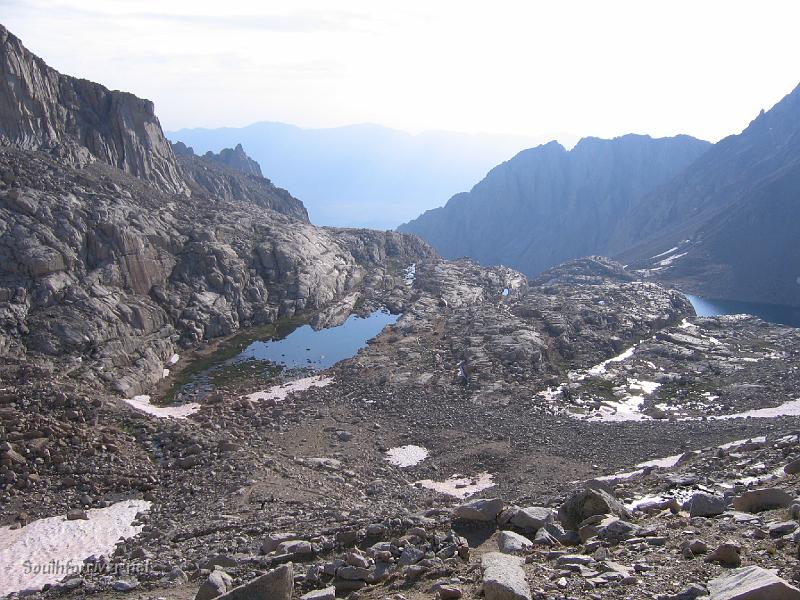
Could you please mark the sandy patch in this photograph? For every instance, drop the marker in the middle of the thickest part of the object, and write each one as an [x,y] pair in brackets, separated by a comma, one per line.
[47,550]
[406,456]
[280,392]
[181,411]
[459,487]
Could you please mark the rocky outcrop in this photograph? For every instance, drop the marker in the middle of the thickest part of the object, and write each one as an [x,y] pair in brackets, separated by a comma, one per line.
[41,109]
[100,267]
[236,159]
[232,175]
[548,205]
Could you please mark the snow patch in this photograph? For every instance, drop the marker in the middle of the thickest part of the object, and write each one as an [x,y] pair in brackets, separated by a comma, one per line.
[59,546]
[457,486]
[670,259]
[787,409]
[280,392]
[406,456]
[410,275]
[670,251]
[665,463]
[601,368]
[180,411]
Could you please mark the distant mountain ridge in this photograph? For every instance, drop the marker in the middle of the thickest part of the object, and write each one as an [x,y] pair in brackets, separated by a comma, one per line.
[363,175]
[728,226]
[548,205]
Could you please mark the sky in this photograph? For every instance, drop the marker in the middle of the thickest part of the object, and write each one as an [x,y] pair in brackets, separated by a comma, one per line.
[572,67]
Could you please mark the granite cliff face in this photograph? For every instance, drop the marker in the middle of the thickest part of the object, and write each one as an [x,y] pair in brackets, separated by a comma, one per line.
[727,226]
[41,109]
[547,205]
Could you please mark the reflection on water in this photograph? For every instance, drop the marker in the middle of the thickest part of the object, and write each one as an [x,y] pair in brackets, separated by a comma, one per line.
[785,315]
[287,345]
[306,348]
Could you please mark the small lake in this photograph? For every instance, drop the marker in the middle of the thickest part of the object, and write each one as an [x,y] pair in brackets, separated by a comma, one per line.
[306,348]
[785,315]
[289,345]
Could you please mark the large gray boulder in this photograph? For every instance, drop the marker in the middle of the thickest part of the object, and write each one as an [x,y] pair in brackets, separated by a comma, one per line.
[751,583]
[753,501]
[217,584]
[706,505]
[582,504]
[278,584]
[480,509]
[511,543]
[503,577]
[328,593]
[532,517]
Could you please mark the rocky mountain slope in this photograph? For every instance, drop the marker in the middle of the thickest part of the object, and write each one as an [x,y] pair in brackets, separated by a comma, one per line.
[363,175]
[110,265]
[41,109]
[727,226]
[547,205]
[234,176]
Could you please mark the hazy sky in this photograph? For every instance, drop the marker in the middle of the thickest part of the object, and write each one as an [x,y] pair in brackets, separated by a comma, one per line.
[604,68]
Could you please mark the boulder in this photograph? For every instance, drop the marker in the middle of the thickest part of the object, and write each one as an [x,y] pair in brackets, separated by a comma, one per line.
[218,583]
[480,509]
[753,501]
[582,504]
[328,593]
[510,542]
[726,554]
[278,584]
[276,539]
[751,583]
[706,505]
[503,577]
[532,517]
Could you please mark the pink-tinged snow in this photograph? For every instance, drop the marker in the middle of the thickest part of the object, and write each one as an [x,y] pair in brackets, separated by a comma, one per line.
[736,443]
[180,411]
[664,463]
[406,456]
[459,487]
[628,409]
[40,543]
[278,393]
[787,409]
